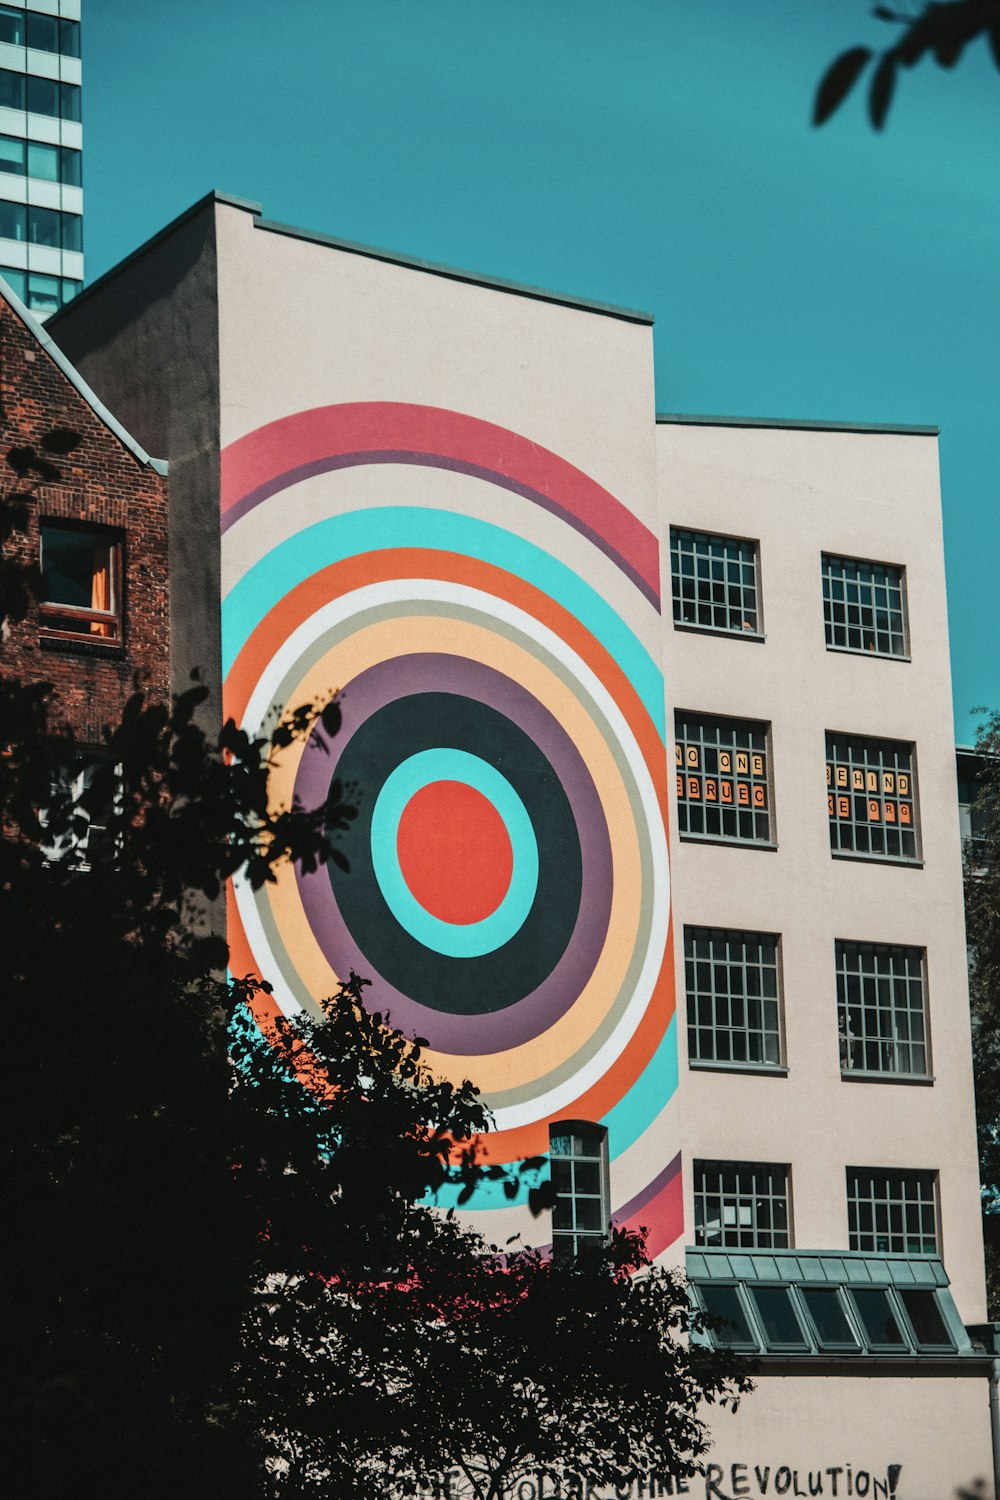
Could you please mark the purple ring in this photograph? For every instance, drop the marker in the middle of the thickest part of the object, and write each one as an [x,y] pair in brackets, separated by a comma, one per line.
[527,1018]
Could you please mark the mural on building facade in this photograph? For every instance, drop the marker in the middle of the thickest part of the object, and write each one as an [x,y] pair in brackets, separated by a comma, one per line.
[502,738]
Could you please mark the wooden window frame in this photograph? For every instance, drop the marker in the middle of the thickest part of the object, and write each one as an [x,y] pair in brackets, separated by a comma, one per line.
[81,619]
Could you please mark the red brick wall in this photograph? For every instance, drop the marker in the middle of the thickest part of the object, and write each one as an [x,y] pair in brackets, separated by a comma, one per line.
[100,480]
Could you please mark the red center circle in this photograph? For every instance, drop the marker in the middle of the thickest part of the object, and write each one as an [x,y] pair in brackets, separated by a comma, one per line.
[454,852]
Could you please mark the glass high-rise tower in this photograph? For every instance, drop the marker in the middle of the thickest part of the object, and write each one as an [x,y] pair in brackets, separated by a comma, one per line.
[41,139]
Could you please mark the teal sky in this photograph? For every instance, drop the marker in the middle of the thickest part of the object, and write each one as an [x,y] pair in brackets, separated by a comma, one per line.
[653,153]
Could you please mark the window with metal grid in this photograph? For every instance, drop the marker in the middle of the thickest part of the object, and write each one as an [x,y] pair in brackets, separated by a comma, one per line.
[864,606]
[579,1162]
[714,582]
[741,1205]
[891,1212]
[871,797]
[731,980]
[882,1008]
[722,779]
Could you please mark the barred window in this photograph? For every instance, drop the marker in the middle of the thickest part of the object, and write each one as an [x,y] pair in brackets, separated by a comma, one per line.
[741,1205]
[581,1211]
[864,606]
[871,797]
[892,1212]
[714,581]
[732,996]
[881,1009]
[722,778]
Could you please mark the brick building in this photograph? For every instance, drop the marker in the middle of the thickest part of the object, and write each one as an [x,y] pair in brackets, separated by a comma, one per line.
[97,524]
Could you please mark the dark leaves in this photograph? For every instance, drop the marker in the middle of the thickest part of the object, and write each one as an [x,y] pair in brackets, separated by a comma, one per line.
[838,81]
[880,95]
[942,30]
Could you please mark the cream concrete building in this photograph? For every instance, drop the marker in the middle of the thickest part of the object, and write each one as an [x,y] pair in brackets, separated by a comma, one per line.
[657,836]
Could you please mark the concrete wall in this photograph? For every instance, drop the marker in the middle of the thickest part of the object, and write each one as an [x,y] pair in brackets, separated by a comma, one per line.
[917,1436]
[439,496]
[870,495]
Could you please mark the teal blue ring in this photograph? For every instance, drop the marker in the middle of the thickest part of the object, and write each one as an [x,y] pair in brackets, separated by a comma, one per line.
[456,940]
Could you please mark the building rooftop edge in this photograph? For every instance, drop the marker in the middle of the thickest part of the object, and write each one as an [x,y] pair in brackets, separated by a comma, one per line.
[158,465]
[803,424]
[373,252]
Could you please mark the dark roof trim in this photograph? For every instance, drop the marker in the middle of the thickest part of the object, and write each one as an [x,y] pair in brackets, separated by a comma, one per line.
[351,247]
[454,273]
[803,424]
[158,465]
[161,234]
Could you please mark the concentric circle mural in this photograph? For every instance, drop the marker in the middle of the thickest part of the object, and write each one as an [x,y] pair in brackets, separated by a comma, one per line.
[488,614]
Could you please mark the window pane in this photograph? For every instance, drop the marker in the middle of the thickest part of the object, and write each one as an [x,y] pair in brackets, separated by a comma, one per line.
[13,220]
[70,289]
[723,1302]
[722,778]
[43,32]
[777,1315]
[15,280]
[727,1021]
[69,559]
[43,161]
[70,101]
[892,1212]
[829,1317]
[43,226]
[714,580]
[70,166]
[43,293]
[871,797]
[11,155]
[579,1176]
[864,606]
[881,1003]
[11,89]
[877,1318]
[924,1313]
[741,1204]
[69,38]
[72,232]
[11,26]
[43,96]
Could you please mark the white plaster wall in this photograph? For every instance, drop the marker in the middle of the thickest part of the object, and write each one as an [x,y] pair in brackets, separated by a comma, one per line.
[800,493]
[935,1426]
[303,324]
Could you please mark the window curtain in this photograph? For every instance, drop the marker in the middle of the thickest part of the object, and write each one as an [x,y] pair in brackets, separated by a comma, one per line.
[100,590]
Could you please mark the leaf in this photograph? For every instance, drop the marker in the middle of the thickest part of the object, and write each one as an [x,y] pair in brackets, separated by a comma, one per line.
[837,82]
[331,717]
[880,94]
[993,37]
